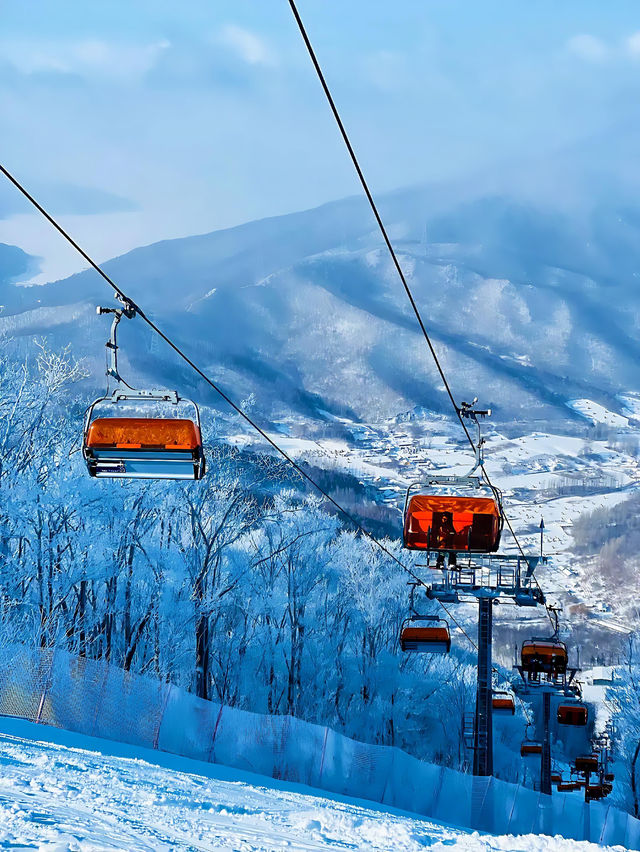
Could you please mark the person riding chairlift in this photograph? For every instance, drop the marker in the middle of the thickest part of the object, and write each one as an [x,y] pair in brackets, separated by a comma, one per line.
[445,531]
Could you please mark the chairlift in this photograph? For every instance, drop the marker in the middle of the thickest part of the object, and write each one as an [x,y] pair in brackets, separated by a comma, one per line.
[467,522]
[147,447]
[426,634]
[544,656]
[587,763]
[530,747]
[574,714]
[556,778]
[568,787]
[503,702]
[597,791]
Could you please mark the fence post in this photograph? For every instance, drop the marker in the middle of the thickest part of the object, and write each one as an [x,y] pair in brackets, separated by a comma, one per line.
[156,738]
[513,807]
[324,749]
[604,824]
[389,774]
[213,738]
[45,689]
[99,697]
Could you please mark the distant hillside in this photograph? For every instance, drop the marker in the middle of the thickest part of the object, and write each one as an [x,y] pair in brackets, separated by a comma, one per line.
[530,306]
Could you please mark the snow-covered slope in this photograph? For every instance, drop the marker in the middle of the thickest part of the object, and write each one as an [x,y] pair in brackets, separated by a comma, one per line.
[61,791]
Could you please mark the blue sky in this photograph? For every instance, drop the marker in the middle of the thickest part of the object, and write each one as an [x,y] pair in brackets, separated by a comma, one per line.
[137,121]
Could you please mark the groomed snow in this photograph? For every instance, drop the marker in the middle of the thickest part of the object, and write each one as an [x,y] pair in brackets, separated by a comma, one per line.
[68,793]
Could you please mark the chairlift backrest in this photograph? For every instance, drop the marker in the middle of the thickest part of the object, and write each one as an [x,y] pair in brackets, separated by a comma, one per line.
[573,714]
[425,634]
[587,763]
[549,656]
[453,524]
[503,702]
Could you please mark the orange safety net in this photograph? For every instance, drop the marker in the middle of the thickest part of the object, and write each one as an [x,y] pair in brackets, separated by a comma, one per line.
[428,635]
[452,523]
[130,433]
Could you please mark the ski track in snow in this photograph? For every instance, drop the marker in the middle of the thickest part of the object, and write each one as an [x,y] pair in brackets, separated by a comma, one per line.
[69,798]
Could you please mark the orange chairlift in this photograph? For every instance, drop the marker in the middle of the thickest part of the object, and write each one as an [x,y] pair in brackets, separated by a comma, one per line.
[573,713]
[597,791]
[140,447]
[568,786]
[503,702]
[530,747]
[428,634]
[587,763]
[462,523]
[544,656]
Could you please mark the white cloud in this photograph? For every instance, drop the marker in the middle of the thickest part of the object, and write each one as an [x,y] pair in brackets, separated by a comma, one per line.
[247,45]
[588,47]
[632,45]
[88,57]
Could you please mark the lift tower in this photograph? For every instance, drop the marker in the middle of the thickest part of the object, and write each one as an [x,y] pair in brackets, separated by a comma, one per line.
[485,578]
[459,532]
[548,681]
[483,724]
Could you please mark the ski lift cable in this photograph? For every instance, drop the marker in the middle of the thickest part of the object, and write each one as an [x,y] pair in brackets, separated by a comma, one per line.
[389,245]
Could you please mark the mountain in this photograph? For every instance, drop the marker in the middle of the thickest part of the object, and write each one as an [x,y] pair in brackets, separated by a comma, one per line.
[530,304]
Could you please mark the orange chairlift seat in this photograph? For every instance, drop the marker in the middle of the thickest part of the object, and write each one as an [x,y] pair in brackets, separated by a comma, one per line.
[576,714]
[587,763]
[433,637]
[461,524]
[548,656]
[597,791]
[134,447]
[568,787]
[556,778]
[503,702]
[467,522]
[530,747]
[144,448]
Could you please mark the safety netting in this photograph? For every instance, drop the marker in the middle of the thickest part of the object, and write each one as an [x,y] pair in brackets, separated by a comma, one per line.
[97,699]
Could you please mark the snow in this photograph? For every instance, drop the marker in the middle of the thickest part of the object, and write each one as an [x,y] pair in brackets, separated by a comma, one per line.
[597,413]
[62,791]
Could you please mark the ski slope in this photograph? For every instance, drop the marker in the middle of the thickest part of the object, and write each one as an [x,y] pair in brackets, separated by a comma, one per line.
[69,793]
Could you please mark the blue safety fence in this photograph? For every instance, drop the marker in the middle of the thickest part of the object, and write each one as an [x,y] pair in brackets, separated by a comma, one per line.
[97,699]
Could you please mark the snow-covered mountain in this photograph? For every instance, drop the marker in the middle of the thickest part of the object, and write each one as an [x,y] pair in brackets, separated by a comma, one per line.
[530,305]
